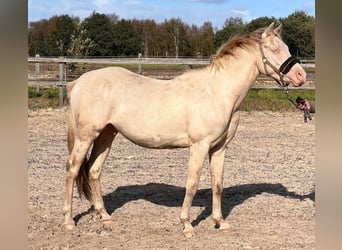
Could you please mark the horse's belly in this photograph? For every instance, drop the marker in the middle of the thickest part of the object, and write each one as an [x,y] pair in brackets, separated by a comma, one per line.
[156,140]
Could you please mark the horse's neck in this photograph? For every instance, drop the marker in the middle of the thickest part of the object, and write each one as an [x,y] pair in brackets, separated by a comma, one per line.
[235,77]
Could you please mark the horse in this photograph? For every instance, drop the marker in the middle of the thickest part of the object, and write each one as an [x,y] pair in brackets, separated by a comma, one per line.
[198,110]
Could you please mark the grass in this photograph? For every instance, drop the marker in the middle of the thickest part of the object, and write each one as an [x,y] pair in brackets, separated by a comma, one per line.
[256,99]
[45,97]
[273,99]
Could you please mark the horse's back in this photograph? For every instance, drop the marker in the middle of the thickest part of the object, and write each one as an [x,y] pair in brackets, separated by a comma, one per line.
[126,100]
[150,112]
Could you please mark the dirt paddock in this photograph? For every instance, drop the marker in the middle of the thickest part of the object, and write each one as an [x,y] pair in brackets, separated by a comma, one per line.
[268,198]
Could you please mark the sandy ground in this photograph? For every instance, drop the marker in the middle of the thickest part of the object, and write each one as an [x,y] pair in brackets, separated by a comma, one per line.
[268,198]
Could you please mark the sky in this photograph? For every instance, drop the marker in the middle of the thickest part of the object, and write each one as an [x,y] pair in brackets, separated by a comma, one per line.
[189,11]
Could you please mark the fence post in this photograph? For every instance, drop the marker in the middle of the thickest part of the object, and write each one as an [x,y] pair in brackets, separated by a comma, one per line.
[37,74]
[139,70]
[61,83]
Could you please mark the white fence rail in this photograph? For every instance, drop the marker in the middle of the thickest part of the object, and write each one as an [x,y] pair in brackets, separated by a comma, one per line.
[37,80]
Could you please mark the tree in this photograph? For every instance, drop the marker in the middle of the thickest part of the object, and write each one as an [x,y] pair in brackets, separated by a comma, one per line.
[174,39]
[80,44]
[107,35]
[207,39]
[299,34]
[232,26]
[60,38]
[147,30]
[260,22]
[99,29]
[38,36]
[51,37]
[126,40]
[201,39]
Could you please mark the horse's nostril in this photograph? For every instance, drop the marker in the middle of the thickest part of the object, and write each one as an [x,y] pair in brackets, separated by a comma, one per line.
[301,75]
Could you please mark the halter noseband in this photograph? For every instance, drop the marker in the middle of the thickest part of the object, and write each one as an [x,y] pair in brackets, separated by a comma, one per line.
[288,64]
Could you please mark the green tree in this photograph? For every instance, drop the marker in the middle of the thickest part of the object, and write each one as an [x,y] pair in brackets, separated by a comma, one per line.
[60,38]
[147,30]
[51,37]
[232,26]
[260,22]
[107,35]
[38,36]
[127,41]
[299,34]
[99,30]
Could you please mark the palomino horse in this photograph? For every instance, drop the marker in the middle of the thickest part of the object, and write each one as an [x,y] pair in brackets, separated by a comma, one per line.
[198,110]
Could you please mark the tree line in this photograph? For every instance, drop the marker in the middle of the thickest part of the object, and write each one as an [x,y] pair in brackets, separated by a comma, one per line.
[108,35]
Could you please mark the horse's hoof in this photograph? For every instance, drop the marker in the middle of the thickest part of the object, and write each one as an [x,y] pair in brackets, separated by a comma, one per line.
[188,229]
[107,222]
[189,233]
[225,226]
[69,226]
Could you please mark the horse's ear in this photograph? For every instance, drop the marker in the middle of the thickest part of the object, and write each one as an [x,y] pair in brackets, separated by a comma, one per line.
[278,29]
[268,31]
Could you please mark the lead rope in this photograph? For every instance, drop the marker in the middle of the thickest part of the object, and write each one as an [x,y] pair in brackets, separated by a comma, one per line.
[305,111]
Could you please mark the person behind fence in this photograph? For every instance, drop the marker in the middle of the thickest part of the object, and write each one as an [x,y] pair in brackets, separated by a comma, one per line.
[302,102]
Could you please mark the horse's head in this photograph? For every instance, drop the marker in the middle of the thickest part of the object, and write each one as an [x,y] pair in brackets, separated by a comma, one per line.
[277,61]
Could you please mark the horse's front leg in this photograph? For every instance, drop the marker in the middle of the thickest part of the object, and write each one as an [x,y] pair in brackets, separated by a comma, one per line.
[216,161]
[198,152]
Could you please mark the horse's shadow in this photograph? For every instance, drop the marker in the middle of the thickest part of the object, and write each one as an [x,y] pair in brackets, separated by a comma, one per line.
[172,196]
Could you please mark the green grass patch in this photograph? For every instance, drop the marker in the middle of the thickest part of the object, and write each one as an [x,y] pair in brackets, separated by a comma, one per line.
[273,99]
[45,97]
[48,92]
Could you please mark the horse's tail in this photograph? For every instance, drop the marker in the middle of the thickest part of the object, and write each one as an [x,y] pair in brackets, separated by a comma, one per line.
[82,179]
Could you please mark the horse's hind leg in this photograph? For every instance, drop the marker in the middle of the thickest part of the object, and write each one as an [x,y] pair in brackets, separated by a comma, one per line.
[76,159]
[98,155]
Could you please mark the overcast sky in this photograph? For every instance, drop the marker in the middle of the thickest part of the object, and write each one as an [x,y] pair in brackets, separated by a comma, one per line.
[190,11]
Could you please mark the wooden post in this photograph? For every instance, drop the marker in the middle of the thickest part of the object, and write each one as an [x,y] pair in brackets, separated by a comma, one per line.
[139,70]
[37,74]
[61,83]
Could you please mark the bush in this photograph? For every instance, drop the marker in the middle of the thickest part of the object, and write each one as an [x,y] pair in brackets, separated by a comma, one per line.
[44,98]
[33,93]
